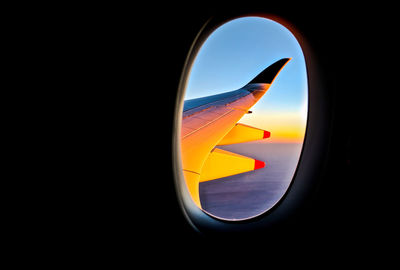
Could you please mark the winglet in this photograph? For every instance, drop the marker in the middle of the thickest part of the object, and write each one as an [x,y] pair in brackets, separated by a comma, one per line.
[269,74]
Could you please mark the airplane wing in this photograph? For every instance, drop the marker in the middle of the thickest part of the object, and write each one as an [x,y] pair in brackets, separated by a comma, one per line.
[211,121]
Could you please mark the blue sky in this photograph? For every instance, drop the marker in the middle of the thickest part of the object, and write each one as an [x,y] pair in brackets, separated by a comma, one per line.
[240,49]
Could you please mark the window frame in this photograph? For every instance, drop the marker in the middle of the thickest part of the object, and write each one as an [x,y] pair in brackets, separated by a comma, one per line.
[313,155]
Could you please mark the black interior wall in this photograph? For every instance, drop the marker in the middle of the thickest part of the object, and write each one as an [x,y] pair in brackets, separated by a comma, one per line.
[138,53]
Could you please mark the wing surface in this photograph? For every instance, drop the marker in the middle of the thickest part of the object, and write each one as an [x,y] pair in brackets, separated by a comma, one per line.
[211,121]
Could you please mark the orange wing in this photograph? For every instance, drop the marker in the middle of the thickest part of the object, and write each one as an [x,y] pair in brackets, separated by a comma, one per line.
[211,121]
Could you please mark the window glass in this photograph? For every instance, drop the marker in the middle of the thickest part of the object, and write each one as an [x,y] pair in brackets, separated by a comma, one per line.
[240,146]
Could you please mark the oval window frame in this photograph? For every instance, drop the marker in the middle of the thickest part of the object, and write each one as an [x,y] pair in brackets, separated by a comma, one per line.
[310,163]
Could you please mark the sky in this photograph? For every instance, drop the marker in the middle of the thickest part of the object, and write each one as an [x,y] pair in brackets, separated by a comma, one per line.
[238,51]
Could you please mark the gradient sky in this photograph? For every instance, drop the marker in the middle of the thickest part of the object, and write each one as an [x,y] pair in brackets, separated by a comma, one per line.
[239,50]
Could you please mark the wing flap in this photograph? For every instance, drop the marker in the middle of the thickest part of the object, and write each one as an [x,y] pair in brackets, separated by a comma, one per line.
[197,144]
[243,133]
[192,184]
[221,163]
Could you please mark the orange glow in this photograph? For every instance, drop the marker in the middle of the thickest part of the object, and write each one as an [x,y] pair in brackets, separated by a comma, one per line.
[284,127]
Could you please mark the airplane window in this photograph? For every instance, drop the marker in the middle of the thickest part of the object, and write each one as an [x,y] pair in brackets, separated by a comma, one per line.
[243,118]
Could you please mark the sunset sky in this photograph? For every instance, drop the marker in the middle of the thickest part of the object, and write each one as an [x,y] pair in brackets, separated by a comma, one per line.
[238,51]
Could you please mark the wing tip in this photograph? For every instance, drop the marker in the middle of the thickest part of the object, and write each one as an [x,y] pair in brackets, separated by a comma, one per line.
[269,74]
